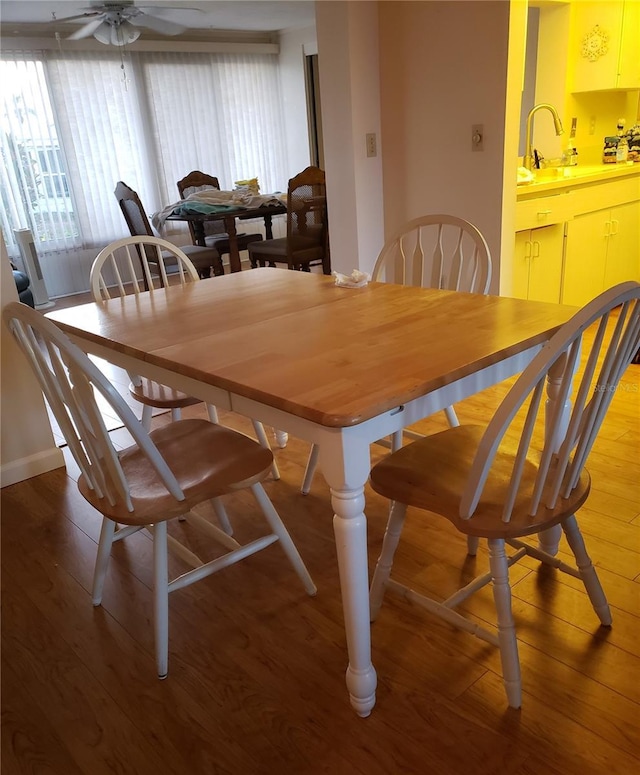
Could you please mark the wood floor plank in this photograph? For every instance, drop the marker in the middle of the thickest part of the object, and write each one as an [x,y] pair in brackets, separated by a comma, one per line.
[554,735]
[28,735]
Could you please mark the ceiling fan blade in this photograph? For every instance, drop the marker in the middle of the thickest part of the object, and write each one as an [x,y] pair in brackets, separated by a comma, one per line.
[87,15]
[162,26]
[188,17]
[87,30]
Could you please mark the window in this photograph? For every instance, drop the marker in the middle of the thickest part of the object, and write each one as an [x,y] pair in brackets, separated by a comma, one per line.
[35,194]
[54,179]
[74,123]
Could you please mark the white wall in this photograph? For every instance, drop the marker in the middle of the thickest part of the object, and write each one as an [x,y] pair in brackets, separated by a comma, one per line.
[294,45]
[419,74]
[349,93]
[443,68]
[27,447]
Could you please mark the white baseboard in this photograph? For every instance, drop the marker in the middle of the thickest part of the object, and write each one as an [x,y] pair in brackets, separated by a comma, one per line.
[25,468]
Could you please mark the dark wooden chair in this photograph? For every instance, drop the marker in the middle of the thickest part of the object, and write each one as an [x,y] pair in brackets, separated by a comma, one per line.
[215,235]
[203,258]
[307,240]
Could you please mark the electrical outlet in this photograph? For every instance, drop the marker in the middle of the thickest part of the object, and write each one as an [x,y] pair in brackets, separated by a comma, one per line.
[477,137]
[592,125]
[372,147]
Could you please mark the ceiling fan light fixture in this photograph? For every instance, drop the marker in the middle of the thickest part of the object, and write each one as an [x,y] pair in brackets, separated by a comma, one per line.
[103,33]
[120,34]
[124,33]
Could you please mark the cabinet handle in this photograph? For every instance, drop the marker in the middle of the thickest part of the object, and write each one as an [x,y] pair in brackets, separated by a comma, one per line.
[527,249]
[536,249]
[614,226]
[541,213]
[607,228]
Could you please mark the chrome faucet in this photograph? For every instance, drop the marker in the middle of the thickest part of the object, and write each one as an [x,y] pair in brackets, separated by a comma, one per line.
[528,146]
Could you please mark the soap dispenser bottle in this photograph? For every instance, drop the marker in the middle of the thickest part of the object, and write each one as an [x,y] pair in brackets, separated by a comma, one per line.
[570,156]
[622,151]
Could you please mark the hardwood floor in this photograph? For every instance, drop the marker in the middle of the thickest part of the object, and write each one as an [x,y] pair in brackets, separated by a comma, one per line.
[256,671]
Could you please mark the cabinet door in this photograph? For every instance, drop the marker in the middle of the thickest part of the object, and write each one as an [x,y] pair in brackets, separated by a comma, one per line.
[585,257]
[537,264]
[595,68]
[629,59]
[623,250]
[521,259]
[545,266]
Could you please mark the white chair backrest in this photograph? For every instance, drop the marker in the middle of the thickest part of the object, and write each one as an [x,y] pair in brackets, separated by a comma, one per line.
[436,251]
[68,380]
[587,380]
[136,264]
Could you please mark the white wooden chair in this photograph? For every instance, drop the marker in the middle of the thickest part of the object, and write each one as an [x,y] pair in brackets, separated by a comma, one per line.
[162,475]
[511,479]
[132,265]
[433,251]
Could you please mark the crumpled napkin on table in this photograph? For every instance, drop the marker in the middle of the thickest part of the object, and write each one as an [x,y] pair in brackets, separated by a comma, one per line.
[356,279]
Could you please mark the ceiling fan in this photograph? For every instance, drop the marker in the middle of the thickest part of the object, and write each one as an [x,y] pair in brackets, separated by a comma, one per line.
[120,23]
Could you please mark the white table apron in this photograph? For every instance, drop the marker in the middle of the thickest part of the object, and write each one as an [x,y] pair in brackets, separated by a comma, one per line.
[345,463]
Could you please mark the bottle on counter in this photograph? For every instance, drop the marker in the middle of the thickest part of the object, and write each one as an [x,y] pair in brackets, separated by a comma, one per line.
[570,154]
[622,150]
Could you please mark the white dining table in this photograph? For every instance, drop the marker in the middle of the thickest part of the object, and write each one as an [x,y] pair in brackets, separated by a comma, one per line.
[339,367]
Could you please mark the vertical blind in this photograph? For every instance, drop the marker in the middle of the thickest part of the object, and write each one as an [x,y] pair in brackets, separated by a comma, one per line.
[74,123]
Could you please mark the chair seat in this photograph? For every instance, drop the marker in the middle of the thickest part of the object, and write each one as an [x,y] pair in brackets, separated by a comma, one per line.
[431,474]
[160,396]
[304,250]
[202,258]
[207,460]
[221,241]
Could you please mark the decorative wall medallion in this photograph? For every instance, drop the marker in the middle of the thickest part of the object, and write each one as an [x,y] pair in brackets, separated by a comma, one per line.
[595,44]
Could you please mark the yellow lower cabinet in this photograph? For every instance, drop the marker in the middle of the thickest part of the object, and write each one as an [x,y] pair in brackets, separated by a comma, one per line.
[623,249]
[603,249]
[537,266]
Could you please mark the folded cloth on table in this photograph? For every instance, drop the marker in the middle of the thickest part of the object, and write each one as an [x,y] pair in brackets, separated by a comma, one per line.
[356,279]
[214,199]
[184,208]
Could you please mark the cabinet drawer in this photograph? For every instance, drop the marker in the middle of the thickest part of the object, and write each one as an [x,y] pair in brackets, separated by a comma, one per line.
[588,199]
[544,211]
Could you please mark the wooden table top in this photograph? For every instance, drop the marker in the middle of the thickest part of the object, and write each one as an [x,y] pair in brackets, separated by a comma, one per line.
[296,341]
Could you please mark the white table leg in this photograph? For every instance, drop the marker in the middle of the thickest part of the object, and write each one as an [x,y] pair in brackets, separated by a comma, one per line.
[350,528]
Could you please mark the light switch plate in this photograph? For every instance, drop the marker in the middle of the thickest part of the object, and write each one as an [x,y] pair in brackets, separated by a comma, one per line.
[477,137]
[372,146]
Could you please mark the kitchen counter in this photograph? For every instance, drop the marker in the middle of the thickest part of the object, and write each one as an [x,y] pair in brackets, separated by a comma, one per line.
[560,178]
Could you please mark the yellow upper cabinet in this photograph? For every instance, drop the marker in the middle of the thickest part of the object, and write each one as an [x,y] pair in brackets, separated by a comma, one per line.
[605,45]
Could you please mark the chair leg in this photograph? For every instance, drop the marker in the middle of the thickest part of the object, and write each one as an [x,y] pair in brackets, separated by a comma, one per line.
[452,417]
[258,429]
[176,414]
[289,548]
[102,559]
[385,561]
[222,516]
[161,598]
[472,545]
[212,412]
[506,628]
[587,571]
[310,470]
[147,411]
[282,438]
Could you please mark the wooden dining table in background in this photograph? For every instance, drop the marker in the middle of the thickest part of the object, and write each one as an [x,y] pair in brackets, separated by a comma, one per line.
[228,216]
[336,366]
